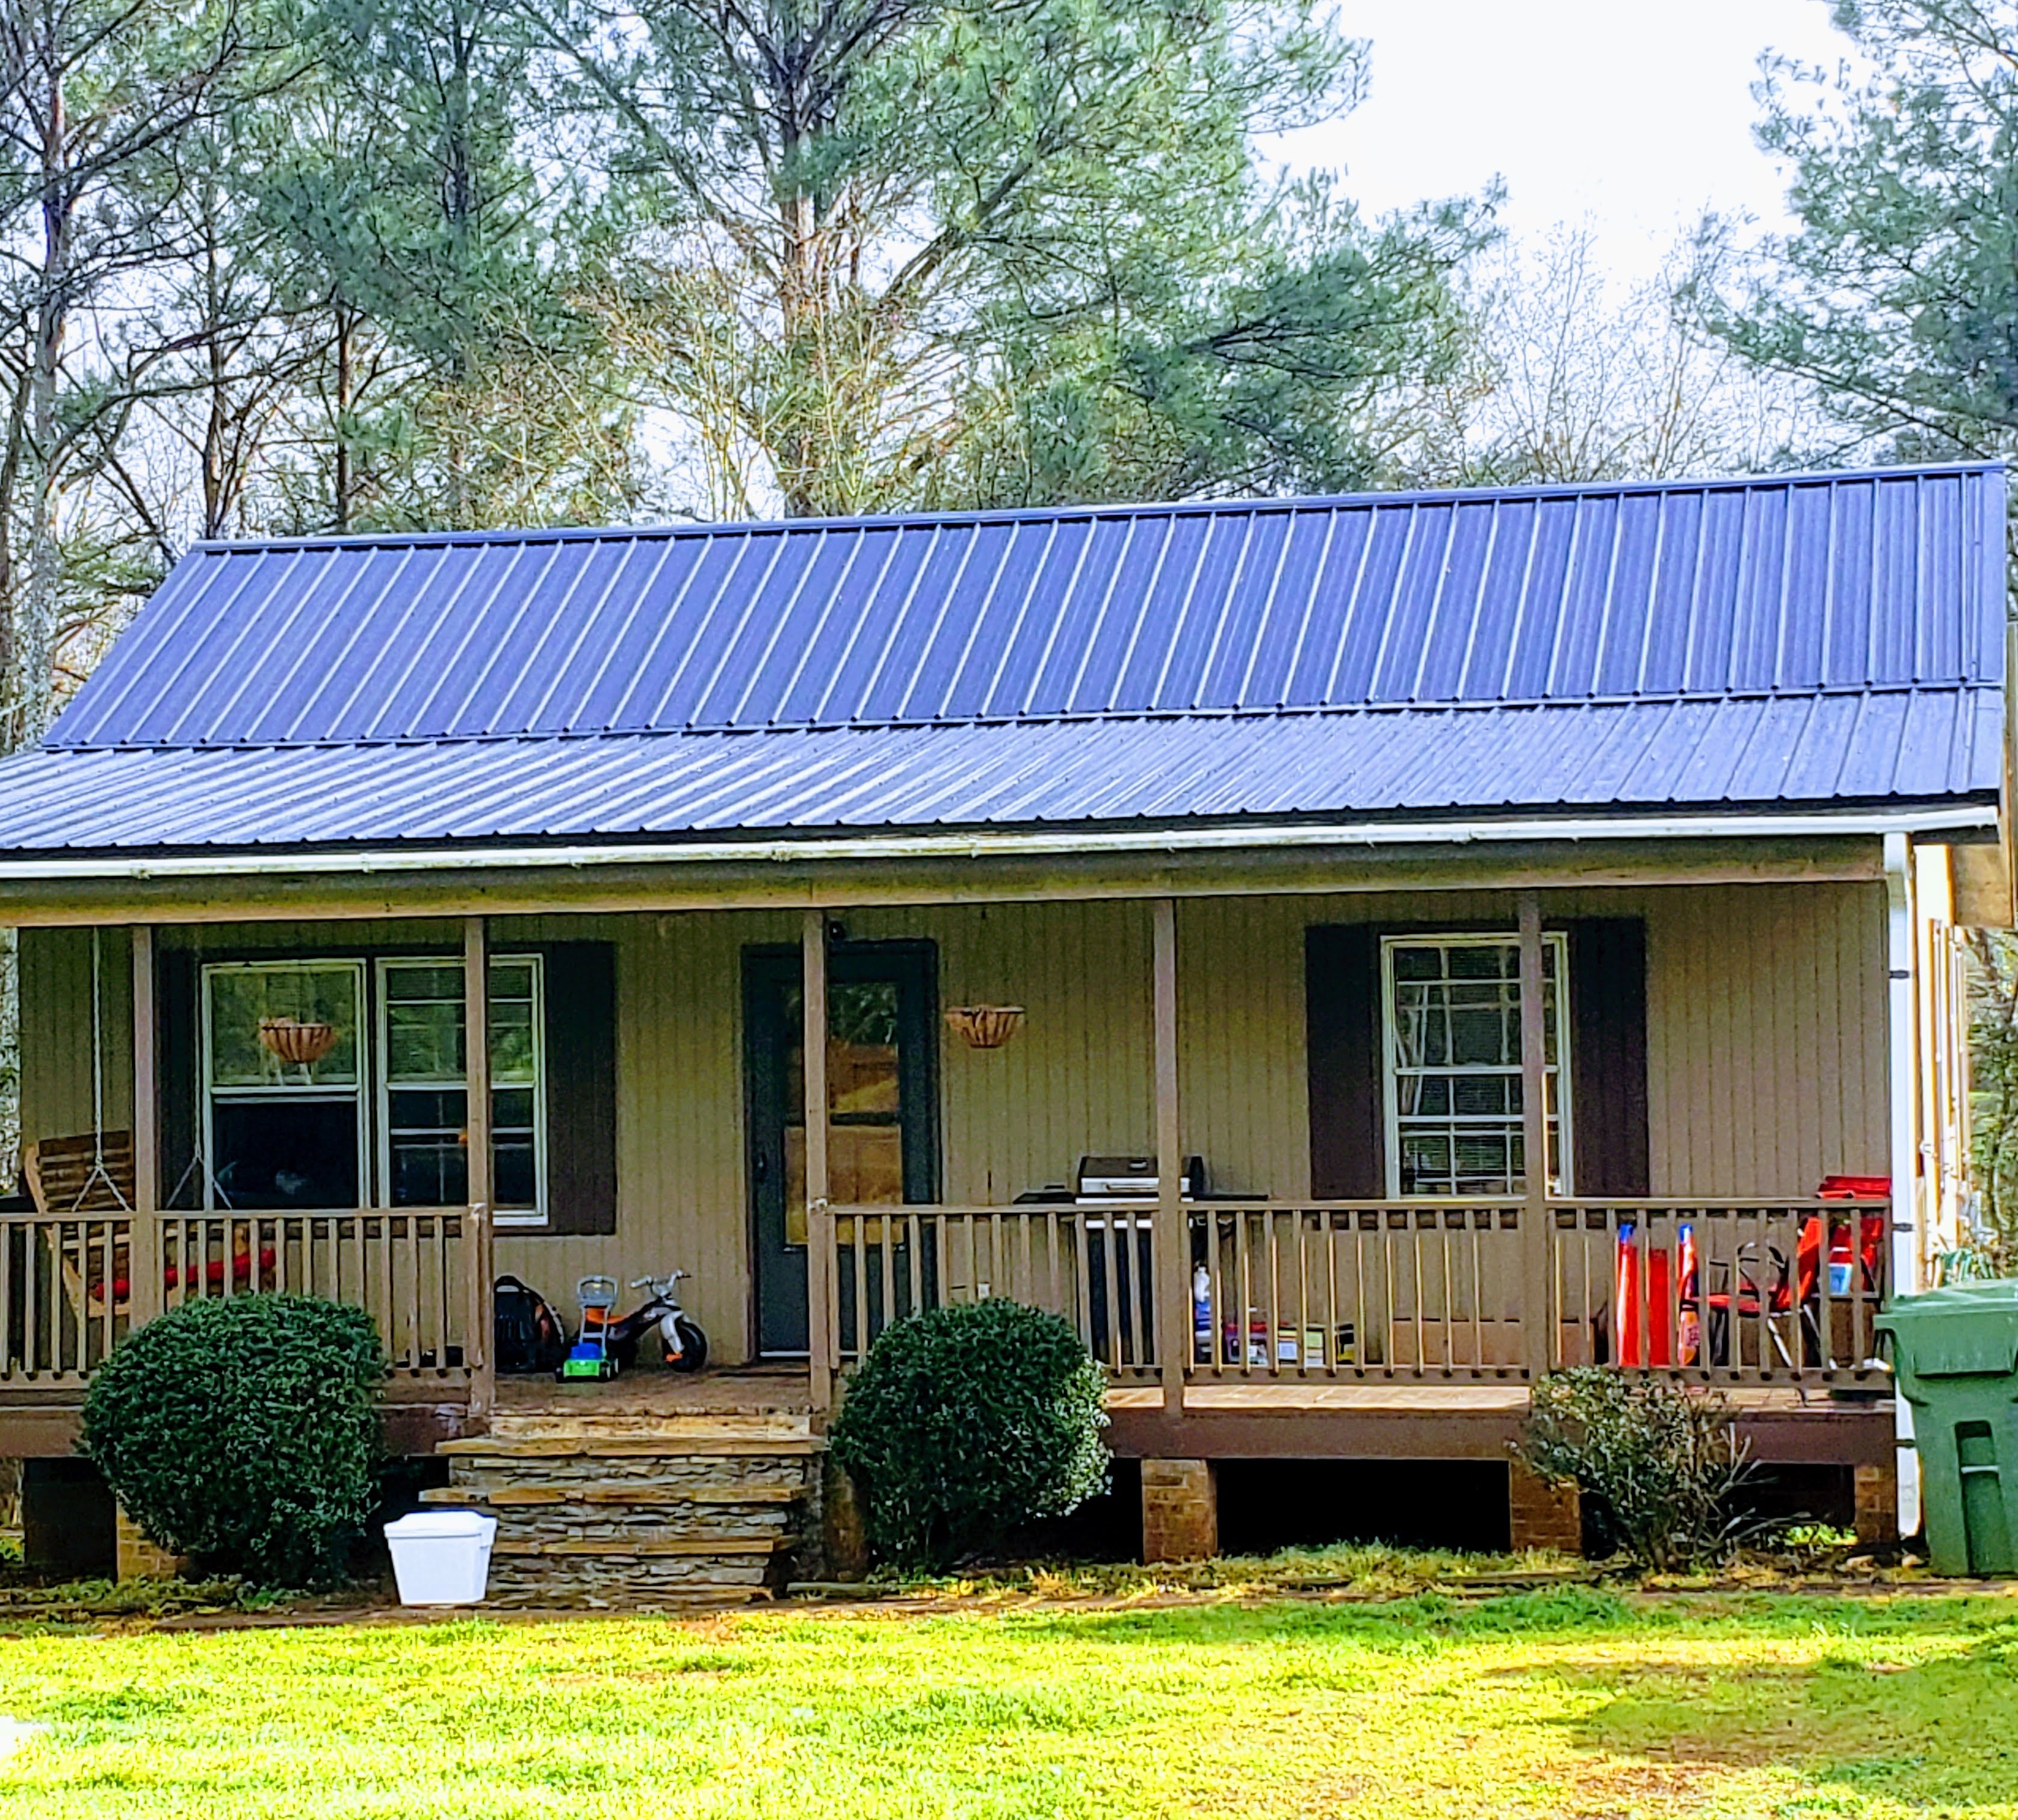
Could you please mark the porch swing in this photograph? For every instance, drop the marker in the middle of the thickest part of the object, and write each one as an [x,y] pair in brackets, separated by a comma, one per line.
[92,1175]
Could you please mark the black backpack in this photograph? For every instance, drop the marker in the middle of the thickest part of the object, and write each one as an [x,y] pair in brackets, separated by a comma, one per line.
[529,1336]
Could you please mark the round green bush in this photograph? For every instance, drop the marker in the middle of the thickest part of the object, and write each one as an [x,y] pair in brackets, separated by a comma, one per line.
[964,1422]
[243,1431]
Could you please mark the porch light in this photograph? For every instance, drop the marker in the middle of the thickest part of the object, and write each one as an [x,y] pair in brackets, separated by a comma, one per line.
[984,1026]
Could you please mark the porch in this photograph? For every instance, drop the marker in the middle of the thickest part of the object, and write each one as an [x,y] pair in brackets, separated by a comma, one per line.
[1156,1025]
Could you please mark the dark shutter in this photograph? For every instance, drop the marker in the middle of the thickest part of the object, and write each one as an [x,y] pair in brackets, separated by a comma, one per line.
[1342,1000]
[177,1047]
[1608,1055]
[581,1087]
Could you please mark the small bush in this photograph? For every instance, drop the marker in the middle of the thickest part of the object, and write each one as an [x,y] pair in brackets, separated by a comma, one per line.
[964,1422]
[243,1431]
[1658,1468]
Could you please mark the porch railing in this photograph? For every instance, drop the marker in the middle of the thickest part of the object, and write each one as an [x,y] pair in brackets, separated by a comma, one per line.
[1729,1291]
[72,1286]
[65,1294]
[1093,1266]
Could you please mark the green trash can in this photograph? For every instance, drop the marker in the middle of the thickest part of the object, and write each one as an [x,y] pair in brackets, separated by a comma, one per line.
[1954,1353]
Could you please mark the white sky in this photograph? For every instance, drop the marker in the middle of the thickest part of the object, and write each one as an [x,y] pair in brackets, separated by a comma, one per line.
[1634,114]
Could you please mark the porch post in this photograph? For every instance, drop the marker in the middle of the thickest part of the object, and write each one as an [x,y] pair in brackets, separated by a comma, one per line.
[1902,1027]
[1537,1316]
[143,1254]
[1172,1251]
[478,1234]
[820,1218]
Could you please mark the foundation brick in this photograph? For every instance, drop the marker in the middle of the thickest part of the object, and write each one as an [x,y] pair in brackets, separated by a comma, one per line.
[1542,1515]
[1877,1502]
[1180,1510]
[138,1558]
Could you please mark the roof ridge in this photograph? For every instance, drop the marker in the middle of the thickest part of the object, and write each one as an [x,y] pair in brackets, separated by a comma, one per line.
[1246,504]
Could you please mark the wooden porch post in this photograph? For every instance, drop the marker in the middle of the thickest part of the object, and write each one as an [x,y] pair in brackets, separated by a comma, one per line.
[1173,1248]
[1537,1314]
[477,1242]
[820,1218]
[144,1264]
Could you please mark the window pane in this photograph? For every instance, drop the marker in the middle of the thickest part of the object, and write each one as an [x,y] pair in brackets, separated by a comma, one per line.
[429,1148]
[285,1152]
[1481,961]
[512,1052]
[513,1171]
[309,1012]
[862,1051]
[423,1037]
[1483,1096]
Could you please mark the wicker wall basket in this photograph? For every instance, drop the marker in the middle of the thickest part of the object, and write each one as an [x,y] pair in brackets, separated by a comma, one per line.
[295,1042]
[984,1026]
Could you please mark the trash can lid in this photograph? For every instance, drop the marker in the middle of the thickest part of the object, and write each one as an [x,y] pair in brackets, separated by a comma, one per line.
[440,1525]
[1968,1330]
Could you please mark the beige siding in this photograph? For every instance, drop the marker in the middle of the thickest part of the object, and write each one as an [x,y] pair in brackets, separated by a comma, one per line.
[56,1031]
[1766,1051]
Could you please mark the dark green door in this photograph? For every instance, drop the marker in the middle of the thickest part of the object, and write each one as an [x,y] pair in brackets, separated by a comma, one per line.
[882,1097]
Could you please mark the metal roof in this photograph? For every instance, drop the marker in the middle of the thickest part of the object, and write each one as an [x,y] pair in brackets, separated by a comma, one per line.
[1932,745]
[1803,639]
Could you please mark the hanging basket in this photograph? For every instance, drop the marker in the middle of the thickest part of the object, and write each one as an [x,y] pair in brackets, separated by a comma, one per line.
[984,1026]
[294,1042]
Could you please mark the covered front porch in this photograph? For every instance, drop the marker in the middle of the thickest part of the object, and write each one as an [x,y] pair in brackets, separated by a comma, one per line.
[1696,1039]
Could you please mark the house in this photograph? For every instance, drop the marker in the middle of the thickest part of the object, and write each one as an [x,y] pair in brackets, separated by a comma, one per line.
[1364,849]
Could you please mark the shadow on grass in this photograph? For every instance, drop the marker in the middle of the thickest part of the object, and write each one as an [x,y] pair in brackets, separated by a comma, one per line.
[1920,1708]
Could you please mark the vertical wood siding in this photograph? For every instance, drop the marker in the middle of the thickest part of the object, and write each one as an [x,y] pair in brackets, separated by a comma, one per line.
[1766,1020]
[56,1030]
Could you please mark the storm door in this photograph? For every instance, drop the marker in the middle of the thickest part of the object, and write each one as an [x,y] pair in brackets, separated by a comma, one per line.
[882,1127]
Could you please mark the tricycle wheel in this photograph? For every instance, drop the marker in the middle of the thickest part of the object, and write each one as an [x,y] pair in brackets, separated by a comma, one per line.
[693,1346]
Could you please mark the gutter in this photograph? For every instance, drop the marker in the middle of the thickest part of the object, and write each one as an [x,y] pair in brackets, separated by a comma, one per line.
[871,849]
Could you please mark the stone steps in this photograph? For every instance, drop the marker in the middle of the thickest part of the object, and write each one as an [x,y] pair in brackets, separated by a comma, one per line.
[629,1512]
[638,1491]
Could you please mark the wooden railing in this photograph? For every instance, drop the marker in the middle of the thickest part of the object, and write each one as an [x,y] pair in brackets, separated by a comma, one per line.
[1357,1290]
[64,1294]
[1731,1291]
[71,1287]
[891,1261]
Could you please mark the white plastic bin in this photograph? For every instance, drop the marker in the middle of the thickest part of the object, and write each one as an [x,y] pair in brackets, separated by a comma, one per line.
[442,1558]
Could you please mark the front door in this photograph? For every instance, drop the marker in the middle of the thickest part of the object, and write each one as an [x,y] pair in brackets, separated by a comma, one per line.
[882,1136]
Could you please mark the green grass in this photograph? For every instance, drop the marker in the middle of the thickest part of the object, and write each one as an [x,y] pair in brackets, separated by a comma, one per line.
[1573,1701]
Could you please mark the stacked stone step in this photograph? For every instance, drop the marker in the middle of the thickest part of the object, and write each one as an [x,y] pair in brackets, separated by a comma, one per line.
[635,1512]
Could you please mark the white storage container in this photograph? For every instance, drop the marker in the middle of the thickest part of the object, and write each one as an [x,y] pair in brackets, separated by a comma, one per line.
[442,1558]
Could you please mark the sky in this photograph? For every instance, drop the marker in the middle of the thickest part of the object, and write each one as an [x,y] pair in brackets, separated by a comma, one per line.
[1633,115]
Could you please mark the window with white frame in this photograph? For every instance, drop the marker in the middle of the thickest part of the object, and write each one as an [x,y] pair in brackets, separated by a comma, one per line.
[423,1097]
[1452,1043]
[283,1073]
[286,1064]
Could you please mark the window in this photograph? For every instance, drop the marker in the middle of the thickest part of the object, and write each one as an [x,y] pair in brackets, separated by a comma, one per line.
[423,1102]
[284,1068]
[1451,1022]
[281,1067]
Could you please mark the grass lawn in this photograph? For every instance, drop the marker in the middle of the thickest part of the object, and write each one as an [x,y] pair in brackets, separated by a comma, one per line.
[1575,1701]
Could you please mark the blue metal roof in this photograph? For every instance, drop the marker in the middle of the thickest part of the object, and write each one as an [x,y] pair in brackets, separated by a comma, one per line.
[1917,746]
[1806,639]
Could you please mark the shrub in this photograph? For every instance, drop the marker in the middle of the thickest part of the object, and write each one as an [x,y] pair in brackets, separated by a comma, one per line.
[1658,1468]
[964,1422]
[243,1431]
